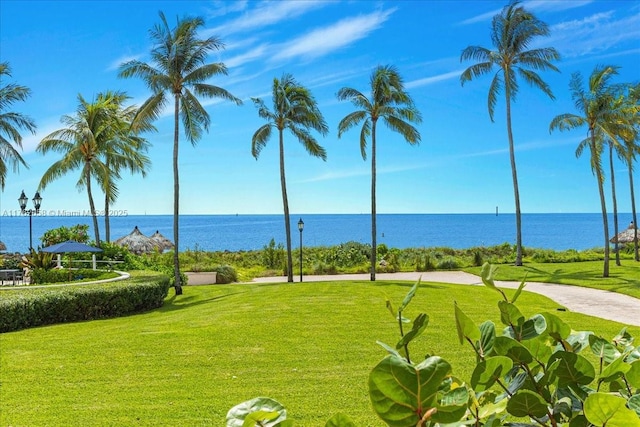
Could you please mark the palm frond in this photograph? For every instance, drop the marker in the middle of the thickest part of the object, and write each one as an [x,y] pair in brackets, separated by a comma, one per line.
[259,139]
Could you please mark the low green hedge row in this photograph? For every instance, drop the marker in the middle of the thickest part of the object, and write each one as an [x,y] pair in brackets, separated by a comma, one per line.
[38,307]
[40,275]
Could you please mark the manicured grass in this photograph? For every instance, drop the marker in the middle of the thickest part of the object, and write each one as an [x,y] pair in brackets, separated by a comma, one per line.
[624,279]
[310,346]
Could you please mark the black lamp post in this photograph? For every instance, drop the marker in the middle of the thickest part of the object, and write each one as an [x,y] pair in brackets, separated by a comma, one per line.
[300,227]
[37,201]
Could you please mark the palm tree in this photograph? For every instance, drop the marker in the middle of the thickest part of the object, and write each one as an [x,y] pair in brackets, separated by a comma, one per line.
[178,72]
[125,150]
[631,107]
[390,102]
[295,109]
[11,123]
[512,32]
[597,111]
[620,144]
[82,145]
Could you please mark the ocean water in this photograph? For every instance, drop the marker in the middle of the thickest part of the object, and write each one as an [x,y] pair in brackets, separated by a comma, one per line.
[246,232]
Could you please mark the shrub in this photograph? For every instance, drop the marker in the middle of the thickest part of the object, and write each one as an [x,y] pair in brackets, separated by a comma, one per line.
[272,255]
[79,233]
[41,275]
[448,263]
[37,307]
[225,274]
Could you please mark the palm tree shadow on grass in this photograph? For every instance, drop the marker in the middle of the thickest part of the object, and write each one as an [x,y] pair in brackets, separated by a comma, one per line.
[187,301]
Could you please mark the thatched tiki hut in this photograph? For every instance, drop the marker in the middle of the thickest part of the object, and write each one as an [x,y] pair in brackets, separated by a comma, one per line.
[137,242]
[626,236]
[164,244]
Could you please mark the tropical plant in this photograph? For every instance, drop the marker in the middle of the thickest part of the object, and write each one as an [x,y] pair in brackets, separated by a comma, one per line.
[78,232]
[390,102]
[513,31]
[124,150]
[631,109]
[95,134]
[598,112]
[11,123]
[295,109]
[178,73]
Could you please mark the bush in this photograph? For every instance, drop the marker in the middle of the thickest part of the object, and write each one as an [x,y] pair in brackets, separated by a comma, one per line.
[448,263]
[41,275]
[226,274]
[37,307]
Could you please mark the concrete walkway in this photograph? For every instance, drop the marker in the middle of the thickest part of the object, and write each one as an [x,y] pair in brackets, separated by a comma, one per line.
[594,302]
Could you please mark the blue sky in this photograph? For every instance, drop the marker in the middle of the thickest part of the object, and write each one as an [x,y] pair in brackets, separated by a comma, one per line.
[61,49]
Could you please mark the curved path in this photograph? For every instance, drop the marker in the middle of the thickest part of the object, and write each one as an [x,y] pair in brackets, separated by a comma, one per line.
[594,302]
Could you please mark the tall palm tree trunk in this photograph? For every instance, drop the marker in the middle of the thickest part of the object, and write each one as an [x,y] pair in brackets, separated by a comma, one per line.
[107,225]
[285,202]
[374,232]
[615,203]
[514,175]
[92,205]
[603,205]
[633,211]
[176,197]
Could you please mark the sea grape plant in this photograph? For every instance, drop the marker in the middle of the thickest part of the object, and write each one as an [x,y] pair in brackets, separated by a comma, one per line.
[530,373]
[533,371]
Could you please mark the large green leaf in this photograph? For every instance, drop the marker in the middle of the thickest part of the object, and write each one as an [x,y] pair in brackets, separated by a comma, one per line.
[614,370]
[465,326]
[532,328]
[519,290]
[401,392]
[633,376]
[419,325]
[488,371]
[572,369]
[579,340]
[409,297]
[452,406]
[509,314]
[487,338]
[262,411]
[340,420]
[526,403]
[603,349]
[539,349]
[623,338]
[602,409]
[634,403]
[556,328]
[506,346]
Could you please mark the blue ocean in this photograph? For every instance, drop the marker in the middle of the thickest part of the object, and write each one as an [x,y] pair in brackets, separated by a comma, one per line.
[246,232]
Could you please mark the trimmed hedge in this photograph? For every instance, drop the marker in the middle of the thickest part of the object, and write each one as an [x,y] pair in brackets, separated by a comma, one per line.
[38,307]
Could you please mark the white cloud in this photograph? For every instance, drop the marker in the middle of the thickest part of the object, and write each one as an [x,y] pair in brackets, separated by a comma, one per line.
[533,6]
[593,34]
[325,40]
[434,79]
[221,8]
[268,13]
[249,56]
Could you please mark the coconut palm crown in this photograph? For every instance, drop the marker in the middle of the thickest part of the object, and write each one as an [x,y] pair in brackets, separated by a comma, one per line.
[390,102]
[178,72]
[11,123]
[295,109]
[512,32]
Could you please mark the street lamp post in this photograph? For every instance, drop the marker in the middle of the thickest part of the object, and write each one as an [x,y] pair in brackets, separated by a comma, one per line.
[37,201]
[300,227]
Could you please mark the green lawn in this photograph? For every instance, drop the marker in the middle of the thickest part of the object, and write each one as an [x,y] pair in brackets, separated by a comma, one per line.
[310,346]
[624,279]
